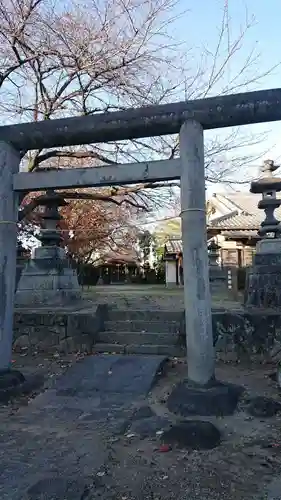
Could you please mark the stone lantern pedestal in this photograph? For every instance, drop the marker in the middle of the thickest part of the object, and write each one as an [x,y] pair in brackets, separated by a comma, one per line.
[48,278]
[264,278]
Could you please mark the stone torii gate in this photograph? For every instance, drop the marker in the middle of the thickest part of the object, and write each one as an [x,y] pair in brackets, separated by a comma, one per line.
[189,119]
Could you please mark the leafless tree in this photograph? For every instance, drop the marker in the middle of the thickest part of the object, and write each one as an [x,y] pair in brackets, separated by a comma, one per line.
[103,55]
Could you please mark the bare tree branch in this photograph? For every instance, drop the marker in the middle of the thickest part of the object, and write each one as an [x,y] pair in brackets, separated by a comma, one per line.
[61,60]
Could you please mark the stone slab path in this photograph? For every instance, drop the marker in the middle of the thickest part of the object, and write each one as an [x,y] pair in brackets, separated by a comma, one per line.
[56,447]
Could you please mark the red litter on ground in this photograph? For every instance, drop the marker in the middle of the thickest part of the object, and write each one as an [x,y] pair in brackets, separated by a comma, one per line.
[164,448]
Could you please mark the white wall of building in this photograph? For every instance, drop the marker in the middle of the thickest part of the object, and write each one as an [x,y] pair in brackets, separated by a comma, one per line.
[171,273]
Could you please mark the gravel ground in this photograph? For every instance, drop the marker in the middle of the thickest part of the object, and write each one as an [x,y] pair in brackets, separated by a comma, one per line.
[138,469]
[248,458]
[152,297]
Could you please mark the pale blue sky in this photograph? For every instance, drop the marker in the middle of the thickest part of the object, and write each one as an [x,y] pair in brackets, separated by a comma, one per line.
[201,26]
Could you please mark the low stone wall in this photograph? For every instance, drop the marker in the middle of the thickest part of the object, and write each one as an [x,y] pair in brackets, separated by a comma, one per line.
[239,335]
[253,335]
[245,335]
[58,330]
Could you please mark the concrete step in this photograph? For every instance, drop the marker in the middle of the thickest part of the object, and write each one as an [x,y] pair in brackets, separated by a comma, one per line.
[144,315]
[144,338]
[141,326]
[164,350]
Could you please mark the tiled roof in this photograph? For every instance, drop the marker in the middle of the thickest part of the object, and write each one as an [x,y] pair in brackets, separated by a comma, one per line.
[246,233]
[240,211]
[120,257]
[173,246]
[243,202]
[240,216]
[238,222]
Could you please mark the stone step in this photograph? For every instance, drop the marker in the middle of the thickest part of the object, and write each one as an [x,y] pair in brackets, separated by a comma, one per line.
[144,315]
[109,348]
[142,326]
[144,338]
[164,350]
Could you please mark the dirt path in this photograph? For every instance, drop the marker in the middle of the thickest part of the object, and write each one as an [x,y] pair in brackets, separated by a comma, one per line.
[133,467]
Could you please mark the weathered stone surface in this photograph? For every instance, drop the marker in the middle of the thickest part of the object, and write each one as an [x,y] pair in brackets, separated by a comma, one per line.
[238,334]
[248,333]
[62,438]
[264,277]
[272,490]
[168,350]
[112,375]
[144,326]
[243,334]
[47,278]
[143,412]
[218,279]
[22,342]
[83,343]
[219,399]
[275,351]
[263,407]
[145,314]
[193,435]
[13,383]
[148,427]
[101,347]
[57,488]
[11,378]
[67,331]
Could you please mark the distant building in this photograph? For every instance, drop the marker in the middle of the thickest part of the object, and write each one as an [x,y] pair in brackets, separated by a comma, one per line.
[118,266]
[233,223]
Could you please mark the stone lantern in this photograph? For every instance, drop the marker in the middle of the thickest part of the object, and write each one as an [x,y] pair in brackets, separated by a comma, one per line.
[21,260]
[217,276]
[213,253]
[48,277]
[264,279]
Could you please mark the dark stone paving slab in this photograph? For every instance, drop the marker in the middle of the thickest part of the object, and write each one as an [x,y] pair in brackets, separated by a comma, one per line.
[111,374]
[55,446]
